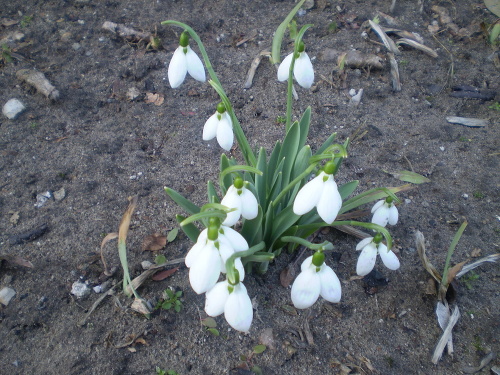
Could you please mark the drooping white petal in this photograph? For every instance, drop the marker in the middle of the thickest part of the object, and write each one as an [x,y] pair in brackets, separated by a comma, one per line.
[225,135]
[284,68]
[194,252]
[308,197]
[303,71]
[363,243]
[377,205]
[393,215]
[390,259]
[381,216]
[238,310]
[306,288]
[216,299]
[330,202]
[210,128]
[366,260]
[232,200]
[194,65]
[331,289]
[177,68]
[306,263]
[249,205]
[204,273]
[236,240]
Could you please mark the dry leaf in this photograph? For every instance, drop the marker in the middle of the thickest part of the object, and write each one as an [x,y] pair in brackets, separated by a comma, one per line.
[164,274]
[452,272]
[14,218]
[154,242]
[287,275]
[156,99]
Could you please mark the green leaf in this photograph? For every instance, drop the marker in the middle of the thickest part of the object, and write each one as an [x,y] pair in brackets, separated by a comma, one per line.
[226,181]
[273,162]
[252,229]
[177,307]
[284,220]
[186,204]
[213,331]
[172,235]
[257,370]
[301,162]
[166,305]
[209,322]
[408,176]
[280,32]
[289,151]
[190,229]
[260,180]
[160,259]
[178,294]
[257,349]
[370,196]
[213,197]
[348,188]
[304,124]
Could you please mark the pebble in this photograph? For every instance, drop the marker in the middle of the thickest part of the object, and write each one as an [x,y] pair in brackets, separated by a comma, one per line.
[13,108]
[80,289]
[6,294]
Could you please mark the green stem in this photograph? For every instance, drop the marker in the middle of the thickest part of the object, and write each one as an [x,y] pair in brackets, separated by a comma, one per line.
[451,249]
[326,245]
[293,183]
[241,254]
[240,136]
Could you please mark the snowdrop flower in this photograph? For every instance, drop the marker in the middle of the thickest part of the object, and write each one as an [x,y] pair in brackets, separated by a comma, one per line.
[233,301]
[239,197]
[185,60]
[370,247]
[385,212]
[207,258]
[302,70]
[322,193]
[219,125]
[315,279]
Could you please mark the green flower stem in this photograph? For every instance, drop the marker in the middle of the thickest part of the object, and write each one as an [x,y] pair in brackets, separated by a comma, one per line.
[293,183]
[327,245]
[260,257]
[289,98]
[240,136]
[451,249]
[241,254]
[236,168]
[207,211]
[370,196]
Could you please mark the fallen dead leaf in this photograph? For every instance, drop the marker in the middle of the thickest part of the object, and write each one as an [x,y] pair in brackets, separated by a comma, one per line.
[154,242]
[14,218]
[156,99]
[164,274]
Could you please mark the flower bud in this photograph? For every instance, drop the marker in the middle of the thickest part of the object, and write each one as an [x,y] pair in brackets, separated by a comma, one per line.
[318,258]
[238,183]
[184,39]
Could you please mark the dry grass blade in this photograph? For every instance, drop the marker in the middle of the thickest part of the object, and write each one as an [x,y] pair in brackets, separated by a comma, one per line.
[126,32]
[429,267]
[396,83]
[95,304]
[443,341]
[404,34]
[388,42]
[417,45]
[353,231]
[139,280]
[253,68]
[105,240]
[39,81]
[490,258]
[14,259]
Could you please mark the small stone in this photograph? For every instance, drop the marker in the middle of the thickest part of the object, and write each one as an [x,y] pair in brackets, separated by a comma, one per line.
[146,264]
[80,289]
[465,196]
[42,198]
[60,194]
[76,46]
[13,108]
[6,294]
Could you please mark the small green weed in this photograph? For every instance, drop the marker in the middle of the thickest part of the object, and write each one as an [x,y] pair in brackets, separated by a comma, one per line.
[246,361]
[404,62]
[464,139]
[210,326]
[171,300]
[469,278]
[6,56]
[159,371]
[477,344]
[26,21]
[478,195]
[281,120]
[495,106]
[332,27]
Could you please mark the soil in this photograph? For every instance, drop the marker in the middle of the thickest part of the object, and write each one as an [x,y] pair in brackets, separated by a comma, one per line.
[102,147]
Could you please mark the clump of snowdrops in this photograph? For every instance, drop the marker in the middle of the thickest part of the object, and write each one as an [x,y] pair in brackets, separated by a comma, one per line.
[276,199]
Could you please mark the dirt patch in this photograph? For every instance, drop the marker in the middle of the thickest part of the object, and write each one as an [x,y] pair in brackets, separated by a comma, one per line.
[102,147]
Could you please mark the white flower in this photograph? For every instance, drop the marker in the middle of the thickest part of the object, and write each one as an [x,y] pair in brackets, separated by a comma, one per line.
[185,60]
[310,284]
[236,305]
[384,213]
[243,200]
[207,259]
[302,70]
[322,193]
[220,125]
[369,251]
